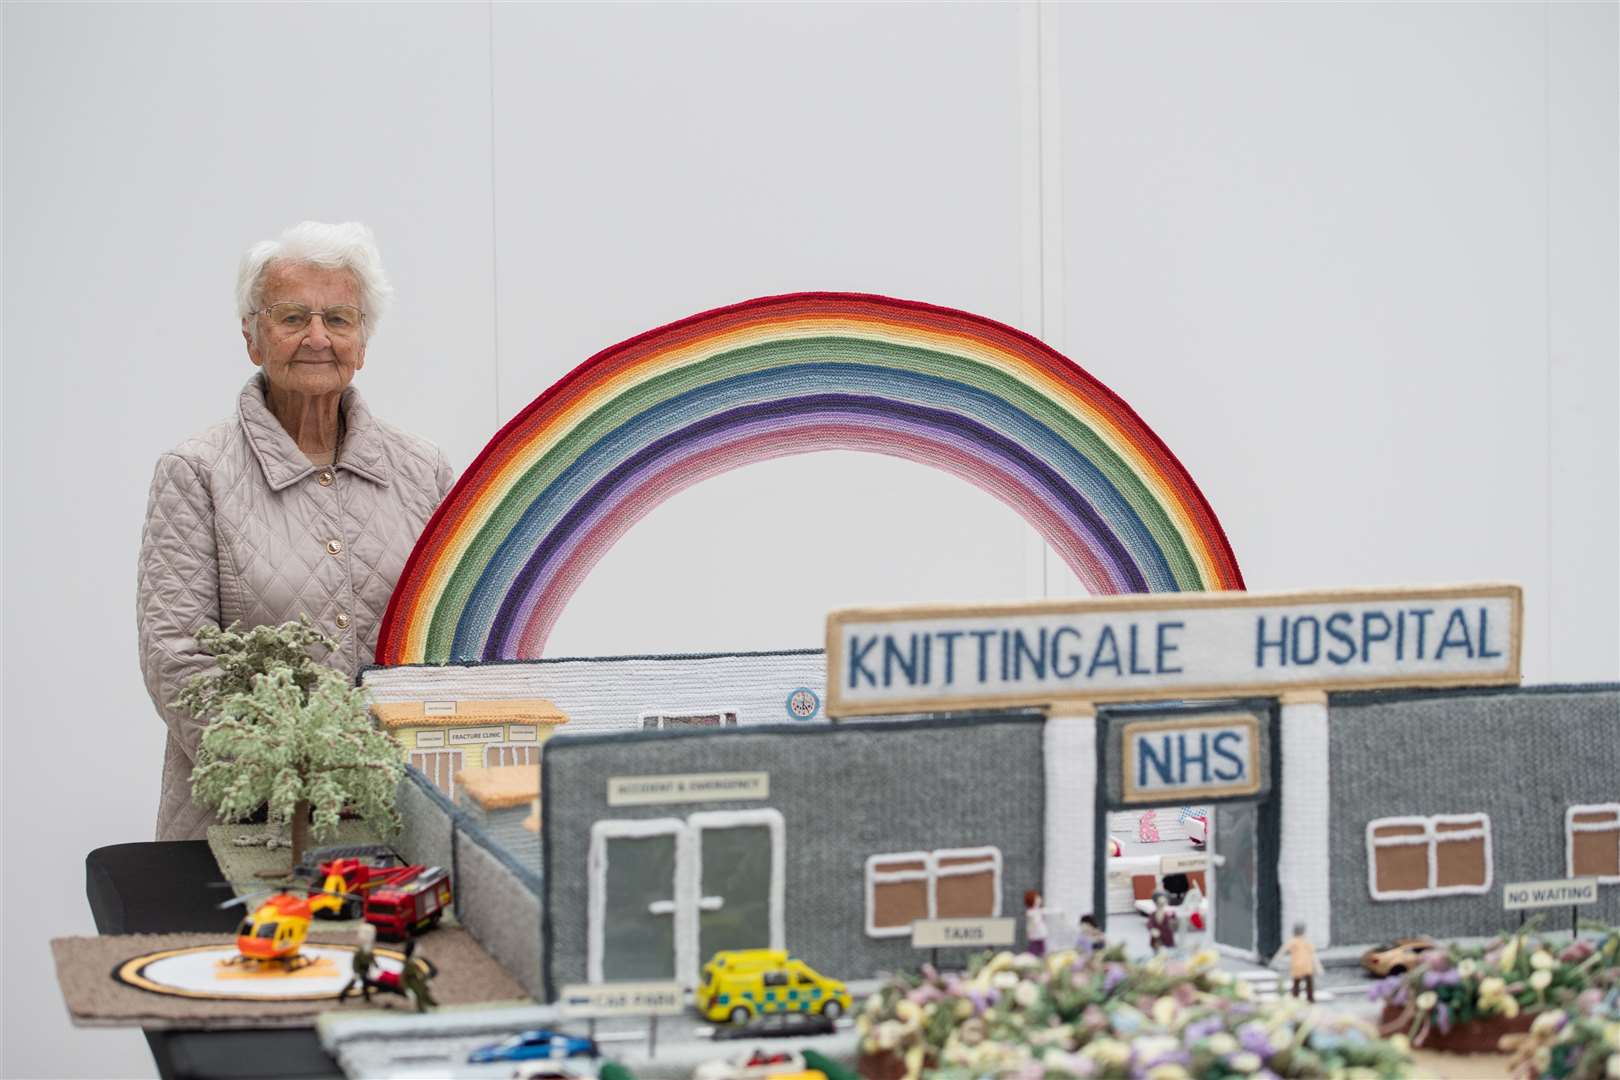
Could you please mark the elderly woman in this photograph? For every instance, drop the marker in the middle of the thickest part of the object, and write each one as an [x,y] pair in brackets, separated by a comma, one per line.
[302,503]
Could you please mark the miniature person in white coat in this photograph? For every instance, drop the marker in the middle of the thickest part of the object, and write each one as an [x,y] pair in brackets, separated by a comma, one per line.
[1034,924]
[1194,906]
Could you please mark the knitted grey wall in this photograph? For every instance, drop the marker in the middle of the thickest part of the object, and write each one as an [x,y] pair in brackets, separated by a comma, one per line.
[425,835]
[501,910]
[1522,756]
[845,792]
[505,828]
[496,898]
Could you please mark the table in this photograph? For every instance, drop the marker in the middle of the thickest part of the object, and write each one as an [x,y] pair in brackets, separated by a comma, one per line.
[165,888]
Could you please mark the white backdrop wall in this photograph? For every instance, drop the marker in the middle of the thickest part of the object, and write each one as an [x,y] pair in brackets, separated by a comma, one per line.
[1356,264]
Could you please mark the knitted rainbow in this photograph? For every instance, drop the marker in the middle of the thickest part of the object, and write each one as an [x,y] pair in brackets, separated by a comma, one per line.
[643,420]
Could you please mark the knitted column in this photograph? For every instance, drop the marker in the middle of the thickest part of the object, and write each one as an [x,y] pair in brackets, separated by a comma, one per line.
[1303,862]
[1070,747]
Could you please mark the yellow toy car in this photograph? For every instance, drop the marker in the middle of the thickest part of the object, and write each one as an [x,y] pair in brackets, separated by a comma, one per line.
[1398,957]
[739,985]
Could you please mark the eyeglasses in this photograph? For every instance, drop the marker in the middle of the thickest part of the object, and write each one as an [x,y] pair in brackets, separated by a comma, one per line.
[340,320]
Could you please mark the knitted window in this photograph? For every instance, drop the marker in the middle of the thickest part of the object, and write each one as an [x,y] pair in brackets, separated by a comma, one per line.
[1592,841]
[658,721]
[508,754]
[967,884]
[951,883]
[440,767]
[1409,858]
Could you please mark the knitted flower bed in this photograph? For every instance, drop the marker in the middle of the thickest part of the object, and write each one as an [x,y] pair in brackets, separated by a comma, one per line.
[1581,1042]
[1097,1015]
[1466,998]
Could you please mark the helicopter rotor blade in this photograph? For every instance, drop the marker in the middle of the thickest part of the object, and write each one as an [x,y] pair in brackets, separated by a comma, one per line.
[259,892]
[248,896]
[258,886]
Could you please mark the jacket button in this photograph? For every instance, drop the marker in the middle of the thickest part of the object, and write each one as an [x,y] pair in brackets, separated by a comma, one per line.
[325,478]
[342,620]
[334,547]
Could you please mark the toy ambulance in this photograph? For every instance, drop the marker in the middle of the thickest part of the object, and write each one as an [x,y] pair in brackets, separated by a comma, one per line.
[739,985]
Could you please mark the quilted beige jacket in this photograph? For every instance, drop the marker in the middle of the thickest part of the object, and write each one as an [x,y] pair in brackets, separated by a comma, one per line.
[240,527]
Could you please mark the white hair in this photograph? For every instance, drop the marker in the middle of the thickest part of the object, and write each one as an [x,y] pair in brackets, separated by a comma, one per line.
[349,246]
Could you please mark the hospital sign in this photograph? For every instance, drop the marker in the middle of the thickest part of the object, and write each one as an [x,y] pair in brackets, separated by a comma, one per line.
[1176,645]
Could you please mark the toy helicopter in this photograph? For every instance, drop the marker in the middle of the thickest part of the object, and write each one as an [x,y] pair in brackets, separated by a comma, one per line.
[397,900]
[271,936]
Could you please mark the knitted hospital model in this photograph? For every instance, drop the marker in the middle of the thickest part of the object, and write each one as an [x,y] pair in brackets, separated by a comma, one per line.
[641,421]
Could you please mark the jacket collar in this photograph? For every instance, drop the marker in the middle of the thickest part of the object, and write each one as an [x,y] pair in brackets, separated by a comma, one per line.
[361,451]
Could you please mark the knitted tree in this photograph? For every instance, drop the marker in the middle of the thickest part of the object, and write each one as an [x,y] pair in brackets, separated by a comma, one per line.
[288,733]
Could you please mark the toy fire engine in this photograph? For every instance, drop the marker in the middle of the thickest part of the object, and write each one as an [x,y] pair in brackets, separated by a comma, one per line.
[409,901]
[397,900]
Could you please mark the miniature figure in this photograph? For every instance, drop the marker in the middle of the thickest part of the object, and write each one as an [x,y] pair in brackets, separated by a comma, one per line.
[413,980]
[365,941]
[1193,902]
[1178,885]
[409,982]
[1034,924]
[1303,966]
[1091,933]
[1162,923]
